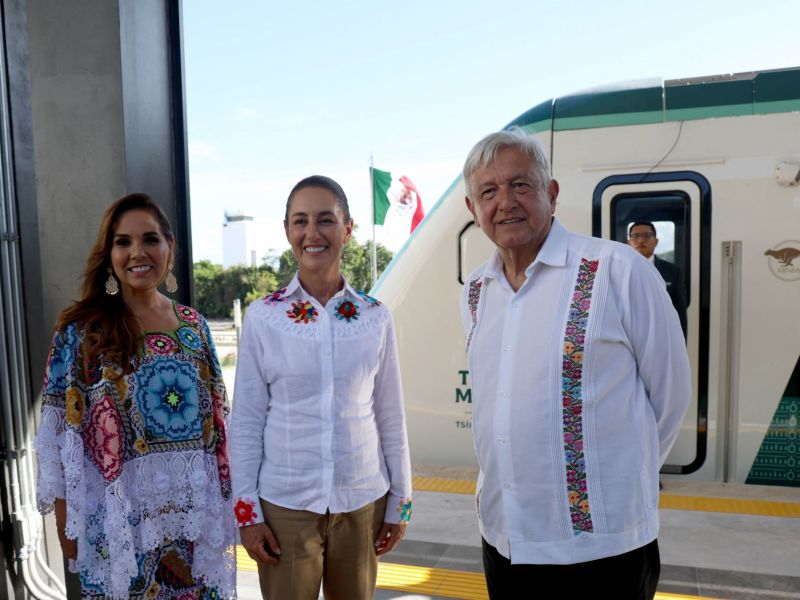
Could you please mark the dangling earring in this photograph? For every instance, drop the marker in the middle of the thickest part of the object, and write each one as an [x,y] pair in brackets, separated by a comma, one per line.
[112,286]
[171,282]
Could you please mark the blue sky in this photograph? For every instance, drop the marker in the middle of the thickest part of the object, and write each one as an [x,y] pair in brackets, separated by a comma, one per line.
[276,92]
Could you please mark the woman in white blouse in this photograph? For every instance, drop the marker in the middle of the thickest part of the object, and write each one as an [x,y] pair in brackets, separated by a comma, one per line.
[319,452]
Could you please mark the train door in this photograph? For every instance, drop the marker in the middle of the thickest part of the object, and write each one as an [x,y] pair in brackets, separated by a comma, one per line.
[679,206]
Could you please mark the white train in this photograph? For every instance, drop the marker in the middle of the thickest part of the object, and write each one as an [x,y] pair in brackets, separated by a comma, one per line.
[715,163]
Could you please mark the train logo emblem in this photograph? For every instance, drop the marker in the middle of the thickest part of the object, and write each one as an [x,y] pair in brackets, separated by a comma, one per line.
[784,260]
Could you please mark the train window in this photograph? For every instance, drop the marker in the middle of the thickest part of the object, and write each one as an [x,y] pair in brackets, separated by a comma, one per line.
[669,213]
[474,249]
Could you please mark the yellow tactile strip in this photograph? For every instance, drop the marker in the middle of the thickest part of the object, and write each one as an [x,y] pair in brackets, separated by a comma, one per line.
[243,560]
[427,580]
[440,484]
[741,506]
[766,508]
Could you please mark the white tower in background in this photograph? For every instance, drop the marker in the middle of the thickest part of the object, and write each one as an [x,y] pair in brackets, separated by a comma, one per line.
[239,245]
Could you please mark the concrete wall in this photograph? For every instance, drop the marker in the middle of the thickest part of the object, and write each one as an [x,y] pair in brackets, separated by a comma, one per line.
[78,134]
[107,120]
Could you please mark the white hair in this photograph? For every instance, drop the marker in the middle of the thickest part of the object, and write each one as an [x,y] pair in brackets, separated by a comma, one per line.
[484,153]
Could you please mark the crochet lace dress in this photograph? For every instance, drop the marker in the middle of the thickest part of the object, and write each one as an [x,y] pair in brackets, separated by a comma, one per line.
[141,459]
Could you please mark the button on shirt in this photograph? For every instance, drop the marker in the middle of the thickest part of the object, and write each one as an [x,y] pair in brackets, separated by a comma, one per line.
[318,421]
[580,381]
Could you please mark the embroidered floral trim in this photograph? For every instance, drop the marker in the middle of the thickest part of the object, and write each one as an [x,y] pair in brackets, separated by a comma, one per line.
[62,356]
[404,508]
[371,302]
[572,397]
[175,488]
[473,297]
[189,338]
[276,296]
[302,312]
[160,344]
[245,511]
[75,405]
[210,594]
[104,438]
[221,438]
[346,311]
[167,395]
[152,591]
[188,315]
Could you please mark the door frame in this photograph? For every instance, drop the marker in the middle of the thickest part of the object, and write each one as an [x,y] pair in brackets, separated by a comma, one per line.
[704,224]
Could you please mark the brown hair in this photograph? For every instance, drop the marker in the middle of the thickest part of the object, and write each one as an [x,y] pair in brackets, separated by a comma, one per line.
[110,328]
[326,183]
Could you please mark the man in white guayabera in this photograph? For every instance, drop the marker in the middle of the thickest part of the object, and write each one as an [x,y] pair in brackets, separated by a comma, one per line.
[580,380]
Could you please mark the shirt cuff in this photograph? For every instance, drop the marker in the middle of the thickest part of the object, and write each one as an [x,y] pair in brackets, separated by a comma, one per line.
[398,509]
[247,511]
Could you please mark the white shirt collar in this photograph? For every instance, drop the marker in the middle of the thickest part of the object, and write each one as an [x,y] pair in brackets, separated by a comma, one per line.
[553,252]
[296,286]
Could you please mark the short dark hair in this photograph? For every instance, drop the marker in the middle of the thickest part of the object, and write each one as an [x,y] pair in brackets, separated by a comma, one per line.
[646,223]
[326,183]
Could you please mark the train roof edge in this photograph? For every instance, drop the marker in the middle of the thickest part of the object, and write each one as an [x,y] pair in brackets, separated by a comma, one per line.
[651,101]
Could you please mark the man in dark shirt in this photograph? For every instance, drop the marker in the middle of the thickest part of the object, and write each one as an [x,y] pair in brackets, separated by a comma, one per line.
[642,237]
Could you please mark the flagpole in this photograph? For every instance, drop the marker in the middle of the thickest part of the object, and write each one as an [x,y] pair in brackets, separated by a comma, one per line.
[374,257]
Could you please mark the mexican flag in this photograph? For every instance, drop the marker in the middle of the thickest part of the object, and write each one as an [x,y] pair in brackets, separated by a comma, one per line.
[395,198]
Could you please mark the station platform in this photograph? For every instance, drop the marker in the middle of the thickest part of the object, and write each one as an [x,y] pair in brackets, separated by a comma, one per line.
[738,542]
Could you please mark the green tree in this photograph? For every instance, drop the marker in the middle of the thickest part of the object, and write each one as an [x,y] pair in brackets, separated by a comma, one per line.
[357,262]
[216,288]
[206,281]
[287,266]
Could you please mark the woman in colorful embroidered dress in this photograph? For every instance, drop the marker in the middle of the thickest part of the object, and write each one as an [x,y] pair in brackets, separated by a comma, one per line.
[319,453]
[132,445]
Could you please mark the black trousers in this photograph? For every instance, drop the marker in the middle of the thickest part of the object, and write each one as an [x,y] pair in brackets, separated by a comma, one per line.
[629,576]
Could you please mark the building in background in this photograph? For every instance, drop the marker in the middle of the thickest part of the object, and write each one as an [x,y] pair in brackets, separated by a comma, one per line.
[239,245]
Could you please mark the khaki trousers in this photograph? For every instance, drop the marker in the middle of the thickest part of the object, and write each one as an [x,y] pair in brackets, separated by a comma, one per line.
[335,550]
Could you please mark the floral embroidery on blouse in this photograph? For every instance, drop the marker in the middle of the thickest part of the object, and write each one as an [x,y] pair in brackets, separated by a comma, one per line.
[346,311]
[166,394]
[572,397]
[371,302]
[62,355]
[245,511]
[473,297]
[105,439]
[302,312]
[276,296]
[141,446]
[75,405]
[156,414]
[404,508]
[208,594]
[160,344]
[220,440]
[189,338]
[188,315]
[152,591]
